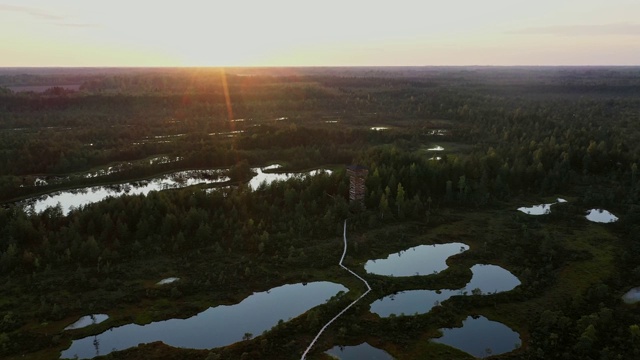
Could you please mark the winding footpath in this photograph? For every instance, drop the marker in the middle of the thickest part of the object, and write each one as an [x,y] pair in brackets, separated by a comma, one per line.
[344,252]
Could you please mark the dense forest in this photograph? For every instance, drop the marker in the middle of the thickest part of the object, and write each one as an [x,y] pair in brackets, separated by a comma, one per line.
[510,137]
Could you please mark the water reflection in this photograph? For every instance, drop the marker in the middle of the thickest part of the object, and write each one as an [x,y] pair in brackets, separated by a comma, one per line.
[362,351]
[541,209]
[419,260]
[79,197]
[601,216]
[486,280]
[267,178]
[168,280]
[411,302]
[632,296]
[70,199]
[88,320]
[216,326]
[481,337]
[490,279]
[439,132]
[108,170]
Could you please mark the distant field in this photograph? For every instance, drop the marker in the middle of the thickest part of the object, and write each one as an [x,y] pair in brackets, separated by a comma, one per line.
[42,88]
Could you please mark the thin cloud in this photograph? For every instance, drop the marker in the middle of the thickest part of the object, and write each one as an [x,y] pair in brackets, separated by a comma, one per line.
[582,30]
[35,12]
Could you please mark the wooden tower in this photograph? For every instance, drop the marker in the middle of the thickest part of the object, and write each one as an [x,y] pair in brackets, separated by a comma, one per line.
[357,175]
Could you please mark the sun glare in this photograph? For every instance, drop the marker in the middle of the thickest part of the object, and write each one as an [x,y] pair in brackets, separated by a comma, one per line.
[284,33]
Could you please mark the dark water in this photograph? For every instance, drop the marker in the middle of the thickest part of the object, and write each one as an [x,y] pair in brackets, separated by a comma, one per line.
[487,279]
[359,352]
[481,337]
[216,326]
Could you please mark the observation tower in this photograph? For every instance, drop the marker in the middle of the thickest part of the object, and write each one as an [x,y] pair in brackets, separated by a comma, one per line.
[357,190]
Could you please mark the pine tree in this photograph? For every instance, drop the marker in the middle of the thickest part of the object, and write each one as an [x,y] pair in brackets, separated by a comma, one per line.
[400,201]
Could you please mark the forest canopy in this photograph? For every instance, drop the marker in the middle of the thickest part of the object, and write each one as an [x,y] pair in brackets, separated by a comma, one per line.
[507,135]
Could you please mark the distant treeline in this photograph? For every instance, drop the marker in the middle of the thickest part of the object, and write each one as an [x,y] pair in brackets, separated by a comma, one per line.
[507,133]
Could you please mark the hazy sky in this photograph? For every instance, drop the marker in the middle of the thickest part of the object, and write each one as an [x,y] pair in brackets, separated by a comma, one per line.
[327,32]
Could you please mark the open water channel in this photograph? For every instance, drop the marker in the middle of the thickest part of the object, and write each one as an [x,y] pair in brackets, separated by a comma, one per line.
[70,199]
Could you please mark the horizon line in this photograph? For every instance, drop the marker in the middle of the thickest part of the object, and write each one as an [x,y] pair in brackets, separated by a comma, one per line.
[299,66]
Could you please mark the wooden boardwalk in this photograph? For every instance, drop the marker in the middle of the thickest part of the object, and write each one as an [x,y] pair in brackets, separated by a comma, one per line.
[344,253]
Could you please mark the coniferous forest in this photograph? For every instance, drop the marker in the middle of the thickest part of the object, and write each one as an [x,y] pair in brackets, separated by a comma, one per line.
[451,153]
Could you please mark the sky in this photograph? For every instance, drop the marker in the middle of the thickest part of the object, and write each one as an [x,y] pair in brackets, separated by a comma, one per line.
[318,33]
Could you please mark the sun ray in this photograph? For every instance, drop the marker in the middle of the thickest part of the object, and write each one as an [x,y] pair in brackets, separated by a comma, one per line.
[227,98]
